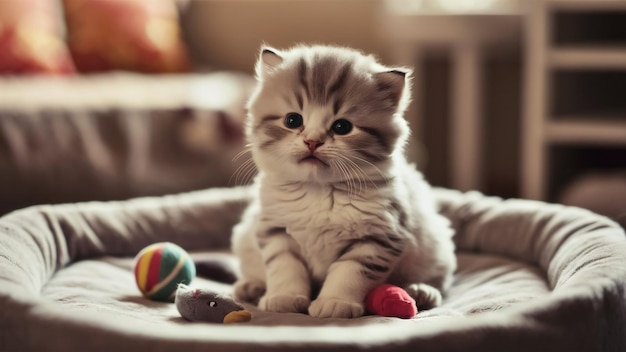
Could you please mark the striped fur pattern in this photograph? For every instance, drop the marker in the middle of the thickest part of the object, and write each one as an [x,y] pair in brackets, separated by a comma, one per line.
[338,210]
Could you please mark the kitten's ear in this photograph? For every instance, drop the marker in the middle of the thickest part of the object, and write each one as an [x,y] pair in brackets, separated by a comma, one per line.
[392,83]
[269,59]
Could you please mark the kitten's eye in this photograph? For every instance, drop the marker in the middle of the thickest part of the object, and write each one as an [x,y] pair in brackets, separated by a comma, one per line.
[293,120]
[212,304]
[342,126]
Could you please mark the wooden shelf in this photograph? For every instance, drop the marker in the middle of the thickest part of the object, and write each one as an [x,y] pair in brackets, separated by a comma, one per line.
[575,119]
[587,130]
[593,5]
[588,58]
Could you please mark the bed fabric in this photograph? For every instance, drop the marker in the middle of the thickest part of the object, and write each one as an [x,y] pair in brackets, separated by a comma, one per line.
[532,277]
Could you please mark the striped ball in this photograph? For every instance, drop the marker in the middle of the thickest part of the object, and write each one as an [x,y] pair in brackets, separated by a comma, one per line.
[160,267]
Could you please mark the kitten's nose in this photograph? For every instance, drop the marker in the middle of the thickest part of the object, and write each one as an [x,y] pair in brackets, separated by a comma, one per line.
[312,144]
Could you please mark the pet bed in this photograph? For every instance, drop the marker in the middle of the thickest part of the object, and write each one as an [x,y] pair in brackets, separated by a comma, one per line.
[531,277]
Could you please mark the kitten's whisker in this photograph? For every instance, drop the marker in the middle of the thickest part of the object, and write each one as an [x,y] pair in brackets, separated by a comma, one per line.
[347,171]
[352,182]
[339,166]
[353,173]
[243,171]
[249,174]
[344,171]
[239,169]
[247,149]
[359,172]
[373,166]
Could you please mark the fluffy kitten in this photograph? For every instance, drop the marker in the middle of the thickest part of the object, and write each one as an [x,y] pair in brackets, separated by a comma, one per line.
[338,210]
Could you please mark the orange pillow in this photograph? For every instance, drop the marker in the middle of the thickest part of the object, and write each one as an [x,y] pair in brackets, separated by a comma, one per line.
[30,39]
[132,35]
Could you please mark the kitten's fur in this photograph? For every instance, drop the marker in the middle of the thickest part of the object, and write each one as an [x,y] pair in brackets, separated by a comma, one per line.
[355,217]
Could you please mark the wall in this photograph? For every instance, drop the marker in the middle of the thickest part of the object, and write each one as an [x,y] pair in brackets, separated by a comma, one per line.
[228,33]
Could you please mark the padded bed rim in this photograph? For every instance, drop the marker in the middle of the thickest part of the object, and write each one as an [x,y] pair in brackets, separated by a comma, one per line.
[582,254]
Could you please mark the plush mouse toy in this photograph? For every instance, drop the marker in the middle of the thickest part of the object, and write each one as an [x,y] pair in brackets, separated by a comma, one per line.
[203,305]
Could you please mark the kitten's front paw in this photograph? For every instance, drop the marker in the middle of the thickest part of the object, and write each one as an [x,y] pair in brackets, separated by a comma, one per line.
[425,296]
[285,303]
[335,308]
[249,290]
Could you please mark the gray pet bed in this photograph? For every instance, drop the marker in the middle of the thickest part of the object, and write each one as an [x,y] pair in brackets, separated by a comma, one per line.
[532,277]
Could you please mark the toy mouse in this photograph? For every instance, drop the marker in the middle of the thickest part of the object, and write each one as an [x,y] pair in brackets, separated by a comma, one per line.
[203,305]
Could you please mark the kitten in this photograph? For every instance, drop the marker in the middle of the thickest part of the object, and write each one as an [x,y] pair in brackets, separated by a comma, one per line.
[338,209]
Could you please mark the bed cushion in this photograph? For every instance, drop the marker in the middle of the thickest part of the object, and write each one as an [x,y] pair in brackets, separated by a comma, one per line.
[532,276]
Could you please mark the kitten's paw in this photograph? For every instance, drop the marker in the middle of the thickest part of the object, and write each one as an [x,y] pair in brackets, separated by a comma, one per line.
[335,308]
[285,303]
[249,290]
[425,296]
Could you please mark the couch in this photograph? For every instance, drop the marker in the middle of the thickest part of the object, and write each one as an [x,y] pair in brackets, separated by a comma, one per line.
[118,135]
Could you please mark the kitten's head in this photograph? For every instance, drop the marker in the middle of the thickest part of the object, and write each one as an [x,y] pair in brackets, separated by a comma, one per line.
[326,114]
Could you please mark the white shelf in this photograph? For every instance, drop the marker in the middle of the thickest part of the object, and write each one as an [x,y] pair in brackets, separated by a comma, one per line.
[587,130]
[588,58]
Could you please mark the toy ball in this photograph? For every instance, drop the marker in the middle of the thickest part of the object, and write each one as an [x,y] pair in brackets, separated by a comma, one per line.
[160,267]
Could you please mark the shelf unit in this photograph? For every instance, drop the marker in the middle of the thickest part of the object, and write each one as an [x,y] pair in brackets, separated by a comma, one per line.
[417,29]
[587,58]
[575,93]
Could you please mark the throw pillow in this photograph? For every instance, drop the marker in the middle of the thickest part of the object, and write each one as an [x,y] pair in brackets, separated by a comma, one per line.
[132,35]
[30,38]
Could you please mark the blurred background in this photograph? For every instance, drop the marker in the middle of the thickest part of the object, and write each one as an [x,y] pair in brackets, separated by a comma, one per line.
[476,43]
[111,99]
